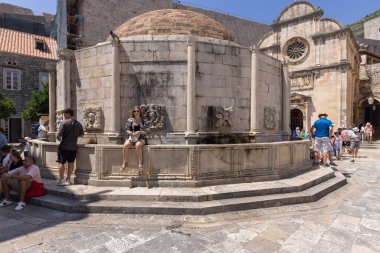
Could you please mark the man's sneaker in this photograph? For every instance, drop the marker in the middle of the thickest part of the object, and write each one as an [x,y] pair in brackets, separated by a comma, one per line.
[5,203]
[333,164]
[68,182]
[61,182]
[352,160]
[326,165]
[20,205]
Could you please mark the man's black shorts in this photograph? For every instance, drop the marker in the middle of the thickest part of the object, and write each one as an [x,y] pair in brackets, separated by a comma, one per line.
[66,155]
[346,143]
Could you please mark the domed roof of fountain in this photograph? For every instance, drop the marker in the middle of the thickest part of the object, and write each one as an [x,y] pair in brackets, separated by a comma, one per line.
[173,22]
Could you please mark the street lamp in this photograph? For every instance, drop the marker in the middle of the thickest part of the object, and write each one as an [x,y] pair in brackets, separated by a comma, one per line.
[370,100]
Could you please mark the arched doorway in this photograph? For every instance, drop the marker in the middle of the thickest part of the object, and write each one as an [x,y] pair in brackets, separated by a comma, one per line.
[296,119]
[371,113]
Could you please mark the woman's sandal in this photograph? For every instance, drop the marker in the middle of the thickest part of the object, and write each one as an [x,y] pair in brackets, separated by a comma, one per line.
[141,168]
[124,166]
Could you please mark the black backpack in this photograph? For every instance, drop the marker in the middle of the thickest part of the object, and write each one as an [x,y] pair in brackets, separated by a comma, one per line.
[35,129]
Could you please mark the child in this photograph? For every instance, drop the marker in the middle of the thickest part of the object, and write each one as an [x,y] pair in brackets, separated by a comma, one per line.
[337,145]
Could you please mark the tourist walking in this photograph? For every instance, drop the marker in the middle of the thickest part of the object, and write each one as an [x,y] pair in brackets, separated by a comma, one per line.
[355,143]
[337,145]
[368,132]
[137,130]
[68,133]
[323,130]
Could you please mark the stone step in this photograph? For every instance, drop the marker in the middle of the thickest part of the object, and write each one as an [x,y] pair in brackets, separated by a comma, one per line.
[190,208]
[191,194]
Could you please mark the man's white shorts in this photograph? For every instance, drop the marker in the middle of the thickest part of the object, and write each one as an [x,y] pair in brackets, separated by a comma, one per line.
[322,144]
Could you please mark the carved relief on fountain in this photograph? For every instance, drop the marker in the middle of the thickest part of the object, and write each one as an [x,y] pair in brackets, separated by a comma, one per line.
[58,118]
[270,118]
[154,116]
[93,119]
[220,118]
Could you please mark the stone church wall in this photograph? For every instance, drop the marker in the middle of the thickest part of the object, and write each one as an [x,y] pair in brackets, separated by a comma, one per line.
[102,16]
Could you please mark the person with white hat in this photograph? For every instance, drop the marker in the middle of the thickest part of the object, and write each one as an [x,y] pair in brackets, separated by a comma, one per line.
[323,130]
[355,143]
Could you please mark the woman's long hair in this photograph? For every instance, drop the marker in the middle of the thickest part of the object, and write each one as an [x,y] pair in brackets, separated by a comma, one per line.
[136,107]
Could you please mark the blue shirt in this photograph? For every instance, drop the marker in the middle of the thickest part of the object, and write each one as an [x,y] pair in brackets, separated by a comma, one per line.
[322,128]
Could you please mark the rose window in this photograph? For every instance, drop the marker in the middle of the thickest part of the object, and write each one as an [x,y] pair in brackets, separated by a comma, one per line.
[296,50]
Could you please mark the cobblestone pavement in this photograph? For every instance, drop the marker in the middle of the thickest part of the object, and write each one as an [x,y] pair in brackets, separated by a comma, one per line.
[347,220]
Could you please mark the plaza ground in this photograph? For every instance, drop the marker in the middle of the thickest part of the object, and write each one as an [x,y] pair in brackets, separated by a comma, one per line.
[347,220]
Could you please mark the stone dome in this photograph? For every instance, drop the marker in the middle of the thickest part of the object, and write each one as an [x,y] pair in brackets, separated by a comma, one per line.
[173,22]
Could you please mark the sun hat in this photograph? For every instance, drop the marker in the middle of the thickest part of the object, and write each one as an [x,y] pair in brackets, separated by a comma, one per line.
[368,124]
[355,129]
[322,114]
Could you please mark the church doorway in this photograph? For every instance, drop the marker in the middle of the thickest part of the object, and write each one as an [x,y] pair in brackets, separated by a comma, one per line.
[371,113]
[296,119]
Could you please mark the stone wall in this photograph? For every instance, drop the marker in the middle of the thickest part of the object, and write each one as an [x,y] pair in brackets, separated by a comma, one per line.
[30,68]
[100,17]
[181,165]
[153,70]
[372,29]
[247,32]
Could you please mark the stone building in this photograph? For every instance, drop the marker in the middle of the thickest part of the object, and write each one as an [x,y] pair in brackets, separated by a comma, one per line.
[89,22]
[23,69]
[194,82]
[323,60]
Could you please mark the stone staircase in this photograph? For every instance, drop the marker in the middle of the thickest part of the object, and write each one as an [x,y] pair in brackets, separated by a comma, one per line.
[307,187]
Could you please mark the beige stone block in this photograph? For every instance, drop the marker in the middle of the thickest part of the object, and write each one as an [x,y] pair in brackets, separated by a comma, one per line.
[215,161]
[208,81]
[158,46]
[230,71]
[167,161]
[230,60]
[127,47]
[245,60]
[138,56]
[213,101]
[141,46]
[218,49]
[204,47]
[180,46]
[204,57]
[285,155]
[244,72]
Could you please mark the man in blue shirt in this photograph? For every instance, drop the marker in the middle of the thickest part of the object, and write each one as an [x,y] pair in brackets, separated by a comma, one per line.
[323,130]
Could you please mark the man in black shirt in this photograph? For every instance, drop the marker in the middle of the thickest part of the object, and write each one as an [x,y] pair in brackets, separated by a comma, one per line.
[68,133]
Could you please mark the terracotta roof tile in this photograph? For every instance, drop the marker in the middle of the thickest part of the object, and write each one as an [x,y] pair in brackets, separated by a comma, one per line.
[24,43]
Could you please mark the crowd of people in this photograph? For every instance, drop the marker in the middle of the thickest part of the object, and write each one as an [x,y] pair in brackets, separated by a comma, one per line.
[328,144]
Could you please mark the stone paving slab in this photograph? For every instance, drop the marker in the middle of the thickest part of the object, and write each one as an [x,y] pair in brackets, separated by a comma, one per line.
[343,221]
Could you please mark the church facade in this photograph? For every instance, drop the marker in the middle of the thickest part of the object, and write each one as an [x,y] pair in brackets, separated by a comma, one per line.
[323,61]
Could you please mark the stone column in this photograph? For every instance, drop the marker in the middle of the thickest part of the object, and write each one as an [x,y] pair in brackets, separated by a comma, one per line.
[190,94]
[52,96]
[285,99]
[254,90]
[66,55]
[115,89]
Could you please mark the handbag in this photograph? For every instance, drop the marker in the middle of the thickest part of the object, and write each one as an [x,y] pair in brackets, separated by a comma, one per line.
[133,138]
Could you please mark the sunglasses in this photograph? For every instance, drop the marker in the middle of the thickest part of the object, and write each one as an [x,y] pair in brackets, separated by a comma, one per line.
[136,111]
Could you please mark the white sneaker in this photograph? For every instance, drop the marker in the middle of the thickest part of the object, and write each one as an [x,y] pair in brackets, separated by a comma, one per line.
[5,203]
[20,205]
[61,182]
[68,182]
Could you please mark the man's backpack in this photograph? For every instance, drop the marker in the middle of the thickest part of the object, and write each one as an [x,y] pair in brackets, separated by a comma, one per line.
[35,129]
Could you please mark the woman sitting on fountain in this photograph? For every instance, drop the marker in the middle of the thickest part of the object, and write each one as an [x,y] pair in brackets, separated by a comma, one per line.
[136,129]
